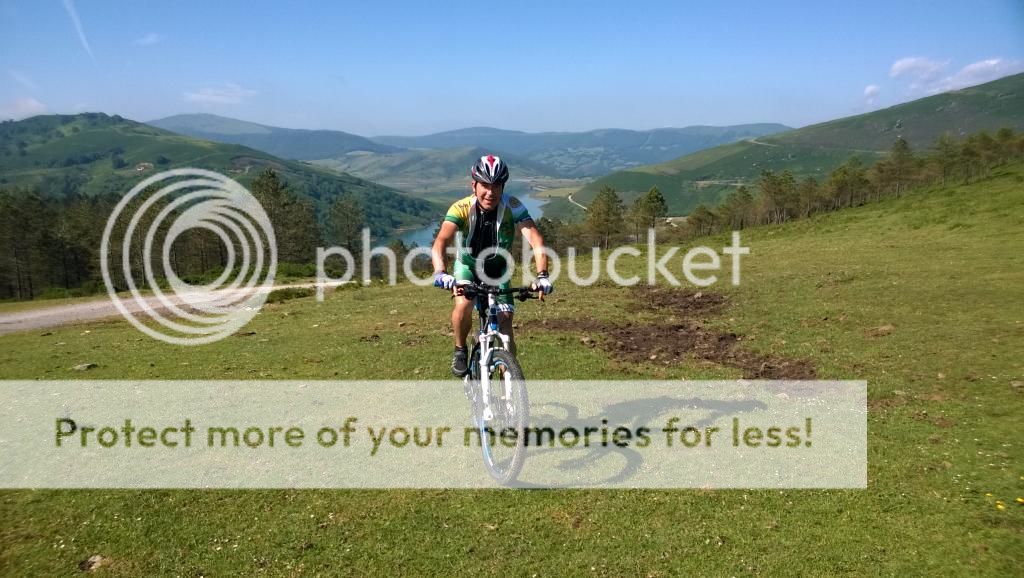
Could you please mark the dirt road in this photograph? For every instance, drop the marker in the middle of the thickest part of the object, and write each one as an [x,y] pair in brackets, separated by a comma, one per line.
[101,308]
[575,203]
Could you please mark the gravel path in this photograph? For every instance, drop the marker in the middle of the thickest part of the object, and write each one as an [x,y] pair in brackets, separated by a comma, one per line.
[59,315]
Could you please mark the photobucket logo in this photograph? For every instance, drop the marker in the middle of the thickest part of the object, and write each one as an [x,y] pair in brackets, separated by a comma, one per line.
[189,200]
[625,266]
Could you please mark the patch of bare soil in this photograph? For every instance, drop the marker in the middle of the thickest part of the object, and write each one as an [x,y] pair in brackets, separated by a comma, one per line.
[681,303]
[670,343]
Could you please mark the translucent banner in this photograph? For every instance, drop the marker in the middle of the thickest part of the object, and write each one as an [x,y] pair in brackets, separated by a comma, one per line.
[428,434]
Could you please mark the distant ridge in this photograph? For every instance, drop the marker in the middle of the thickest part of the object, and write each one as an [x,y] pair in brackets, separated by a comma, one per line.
[705,176]
[590,153]
[290,143]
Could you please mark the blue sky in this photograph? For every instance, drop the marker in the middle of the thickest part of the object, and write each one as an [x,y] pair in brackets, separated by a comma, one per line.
[416,67]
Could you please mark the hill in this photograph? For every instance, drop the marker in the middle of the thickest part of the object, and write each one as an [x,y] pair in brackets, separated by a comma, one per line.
[437,172]
[591,153]
[94,154]
[289,143]
[988,106]
[705,176]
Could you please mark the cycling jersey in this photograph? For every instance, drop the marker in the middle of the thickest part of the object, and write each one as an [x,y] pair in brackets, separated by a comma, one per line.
[464,213]
[480,230]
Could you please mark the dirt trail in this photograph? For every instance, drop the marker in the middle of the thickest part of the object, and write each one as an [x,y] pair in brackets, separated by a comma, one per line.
[570,199]
[102,308]
[680,333]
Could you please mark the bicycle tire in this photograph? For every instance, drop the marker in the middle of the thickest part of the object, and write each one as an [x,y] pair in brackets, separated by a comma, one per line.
[506,471]
[470,381]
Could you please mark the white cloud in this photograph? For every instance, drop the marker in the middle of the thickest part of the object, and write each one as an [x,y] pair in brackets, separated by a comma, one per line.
[69,5]
[871,92]
[917,68]
[978,73]
[929,76]
[225,94]
[23,80]
[21,108]
[920,71]
[149,39]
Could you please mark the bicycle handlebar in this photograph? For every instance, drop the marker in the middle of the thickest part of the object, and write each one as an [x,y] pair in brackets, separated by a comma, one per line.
[471,290]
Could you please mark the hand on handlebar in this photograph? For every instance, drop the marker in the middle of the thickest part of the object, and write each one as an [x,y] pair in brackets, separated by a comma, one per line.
[443,280]
[543,285]
[460,288]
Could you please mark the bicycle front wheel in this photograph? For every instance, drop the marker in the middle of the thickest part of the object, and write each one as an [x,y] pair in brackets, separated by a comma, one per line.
[504,436]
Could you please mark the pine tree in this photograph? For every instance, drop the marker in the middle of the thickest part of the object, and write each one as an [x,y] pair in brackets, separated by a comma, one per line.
[604,215]
[655,206]
[346,221]
[901,164]
[946,155]
[293,218]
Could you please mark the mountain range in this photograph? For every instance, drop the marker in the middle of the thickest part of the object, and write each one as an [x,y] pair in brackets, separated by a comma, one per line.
[591,153]
[94,154]
[553,154]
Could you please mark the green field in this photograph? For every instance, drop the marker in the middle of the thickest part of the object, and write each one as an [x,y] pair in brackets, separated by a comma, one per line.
[920,296]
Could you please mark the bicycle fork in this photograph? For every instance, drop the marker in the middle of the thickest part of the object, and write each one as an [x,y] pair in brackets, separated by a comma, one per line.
[485,374]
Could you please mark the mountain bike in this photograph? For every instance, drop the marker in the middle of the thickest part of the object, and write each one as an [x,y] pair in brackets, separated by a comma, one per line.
[495,385]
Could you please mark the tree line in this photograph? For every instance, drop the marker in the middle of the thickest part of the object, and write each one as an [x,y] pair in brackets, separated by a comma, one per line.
[778,197]
[50,245]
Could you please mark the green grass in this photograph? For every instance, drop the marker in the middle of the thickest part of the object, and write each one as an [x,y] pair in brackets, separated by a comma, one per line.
[944,267]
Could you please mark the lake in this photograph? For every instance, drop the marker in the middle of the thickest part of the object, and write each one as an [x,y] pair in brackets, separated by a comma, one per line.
[425,237]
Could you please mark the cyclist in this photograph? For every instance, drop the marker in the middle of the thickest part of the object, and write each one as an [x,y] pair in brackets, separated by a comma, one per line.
[486,219]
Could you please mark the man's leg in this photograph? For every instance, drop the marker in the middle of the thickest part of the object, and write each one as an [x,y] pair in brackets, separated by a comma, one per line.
[505,326]
[462,321]
[506,308]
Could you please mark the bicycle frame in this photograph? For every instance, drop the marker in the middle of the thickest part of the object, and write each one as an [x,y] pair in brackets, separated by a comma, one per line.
[485,337]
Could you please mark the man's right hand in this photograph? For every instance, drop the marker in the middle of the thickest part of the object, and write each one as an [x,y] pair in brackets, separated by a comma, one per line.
[443,280]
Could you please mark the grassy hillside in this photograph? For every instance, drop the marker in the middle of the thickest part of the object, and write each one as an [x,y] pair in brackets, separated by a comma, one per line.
[287,143]
[430,171]
[961,112]
[590,153]
[97,154]
[706,176]
[942,268]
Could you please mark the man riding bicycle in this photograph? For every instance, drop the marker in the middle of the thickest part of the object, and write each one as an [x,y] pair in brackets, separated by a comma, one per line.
[485,221]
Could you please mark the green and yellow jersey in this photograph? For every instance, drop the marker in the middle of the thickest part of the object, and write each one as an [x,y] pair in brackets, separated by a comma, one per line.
[510,214]
[500,227]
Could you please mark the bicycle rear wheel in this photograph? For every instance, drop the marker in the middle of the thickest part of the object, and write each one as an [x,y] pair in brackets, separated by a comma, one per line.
[504,436]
